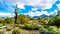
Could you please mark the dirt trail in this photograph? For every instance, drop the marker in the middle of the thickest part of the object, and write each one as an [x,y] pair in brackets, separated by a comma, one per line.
[30,32]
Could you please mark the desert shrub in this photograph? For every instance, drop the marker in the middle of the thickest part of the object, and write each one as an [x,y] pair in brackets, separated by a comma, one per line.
[17,31]
[9,20]
[31,27]
[50,30]
[1,25]
[2,20]
[55,21]
[2,31]
[17,25]
[58,31]
[8,29]
[43,31]
[46,26]
[40,26]
[21,26]
[10,33]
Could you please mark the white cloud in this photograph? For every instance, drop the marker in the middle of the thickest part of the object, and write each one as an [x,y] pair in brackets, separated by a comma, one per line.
[6,14]
[21,6]
[54,13]
[31,14]
[14,2]
[45,12]
[34,9]
[58,5]
[37,13]
[43,4]
[59,0]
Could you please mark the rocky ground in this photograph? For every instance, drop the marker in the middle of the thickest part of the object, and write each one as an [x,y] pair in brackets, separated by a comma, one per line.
[24,31]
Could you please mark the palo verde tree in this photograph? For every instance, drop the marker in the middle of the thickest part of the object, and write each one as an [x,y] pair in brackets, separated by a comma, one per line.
[16,14]
[22,19]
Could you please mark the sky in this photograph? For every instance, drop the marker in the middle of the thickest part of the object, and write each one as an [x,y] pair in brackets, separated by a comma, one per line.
[29,7]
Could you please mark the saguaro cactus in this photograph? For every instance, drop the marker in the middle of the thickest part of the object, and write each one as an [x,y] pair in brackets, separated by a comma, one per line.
[16,14]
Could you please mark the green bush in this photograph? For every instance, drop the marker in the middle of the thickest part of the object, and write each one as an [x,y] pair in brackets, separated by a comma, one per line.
[17,31]
[31,27]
